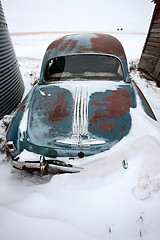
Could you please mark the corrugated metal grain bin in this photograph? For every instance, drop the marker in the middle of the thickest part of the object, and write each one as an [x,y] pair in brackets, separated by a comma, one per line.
[150,58]
[11,83]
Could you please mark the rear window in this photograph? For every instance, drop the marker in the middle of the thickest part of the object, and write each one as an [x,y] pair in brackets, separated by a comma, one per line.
[84,67]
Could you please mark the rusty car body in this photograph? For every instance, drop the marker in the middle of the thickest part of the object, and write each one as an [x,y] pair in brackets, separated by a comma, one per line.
[80,107]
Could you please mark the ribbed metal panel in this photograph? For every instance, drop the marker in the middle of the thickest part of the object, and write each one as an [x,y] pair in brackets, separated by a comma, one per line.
[11,83]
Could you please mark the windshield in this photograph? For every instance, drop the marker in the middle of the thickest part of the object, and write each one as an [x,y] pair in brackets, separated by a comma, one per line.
[84,67]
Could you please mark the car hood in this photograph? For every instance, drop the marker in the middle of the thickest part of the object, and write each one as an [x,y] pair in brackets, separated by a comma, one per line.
[80,114]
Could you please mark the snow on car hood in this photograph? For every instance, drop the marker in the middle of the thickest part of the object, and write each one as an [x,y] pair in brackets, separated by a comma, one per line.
[80,113]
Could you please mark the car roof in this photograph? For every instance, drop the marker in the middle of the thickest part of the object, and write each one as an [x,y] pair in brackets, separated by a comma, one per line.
[91,43]
[86,43]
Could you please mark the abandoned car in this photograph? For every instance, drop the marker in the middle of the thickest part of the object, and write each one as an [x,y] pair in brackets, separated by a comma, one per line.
[80,107]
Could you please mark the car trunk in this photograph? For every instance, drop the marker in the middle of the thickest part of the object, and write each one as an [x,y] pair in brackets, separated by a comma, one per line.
[79,114]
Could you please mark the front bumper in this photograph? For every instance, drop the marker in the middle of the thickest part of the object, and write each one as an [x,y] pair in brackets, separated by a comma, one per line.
[45,165]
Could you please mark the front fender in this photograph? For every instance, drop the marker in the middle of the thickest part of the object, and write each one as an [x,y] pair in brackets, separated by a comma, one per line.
[14,133]
[145,104]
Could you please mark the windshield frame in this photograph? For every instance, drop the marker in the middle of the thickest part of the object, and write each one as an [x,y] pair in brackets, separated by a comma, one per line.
[84,79]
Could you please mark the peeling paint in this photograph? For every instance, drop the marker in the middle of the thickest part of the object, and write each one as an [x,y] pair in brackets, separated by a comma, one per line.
[109,113]
[81,43]
[52,113]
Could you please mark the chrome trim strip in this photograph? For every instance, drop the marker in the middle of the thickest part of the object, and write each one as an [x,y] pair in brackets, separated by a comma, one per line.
[80,115]
[80,135]
[49,167]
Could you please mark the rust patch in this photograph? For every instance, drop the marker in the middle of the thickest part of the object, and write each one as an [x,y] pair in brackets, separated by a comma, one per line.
[105,127]
[22,107]
[101,43]
[58,114]
[115,105]
[72,44]
[55,44]
[108,44]
[112,107]
[57,109]
[63,44]
[123,129]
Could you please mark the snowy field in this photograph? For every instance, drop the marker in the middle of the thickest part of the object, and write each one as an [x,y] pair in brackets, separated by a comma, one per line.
[102,202]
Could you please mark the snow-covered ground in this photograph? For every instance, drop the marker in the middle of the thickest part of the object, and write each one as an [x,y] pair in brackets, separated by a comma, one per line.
[104,201]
